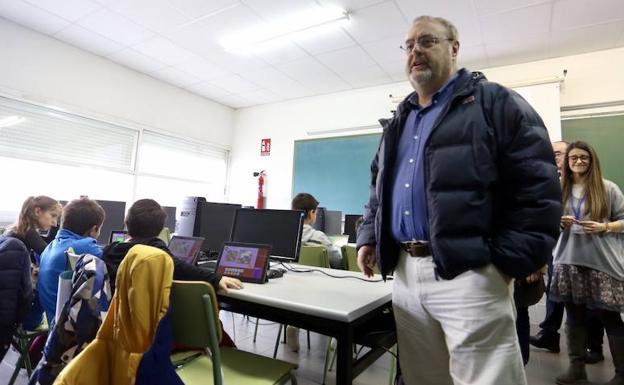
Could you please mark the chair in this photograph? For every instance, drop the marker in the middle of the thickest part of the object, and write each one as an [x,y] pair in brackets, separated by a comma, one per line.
[349,254]
[314,256]
[196,324]
[133,343]
[22,339]
[165,235]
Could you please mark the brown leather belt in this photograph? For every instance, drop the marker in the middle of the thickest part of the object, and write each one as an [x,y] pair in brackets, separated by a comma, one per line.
[417,248]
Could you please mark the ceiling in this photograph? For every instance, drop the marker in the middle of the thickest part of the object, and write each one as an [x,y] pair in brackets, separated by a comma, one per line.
[176,41]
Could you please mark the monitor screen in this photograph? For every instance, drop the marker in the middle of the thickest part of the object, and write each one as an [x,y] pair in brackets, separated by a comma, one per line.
[186,248]
[349,226]
[245,261]
[333,222]
[118,236]
[279,228]
[214,223]
[319,224]
[115,213]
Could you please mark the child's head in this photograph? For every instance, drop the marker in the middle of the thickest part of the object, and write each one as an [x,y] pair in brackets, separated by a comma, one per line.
[145,219]
[307,203]
[39,212]
[83,217]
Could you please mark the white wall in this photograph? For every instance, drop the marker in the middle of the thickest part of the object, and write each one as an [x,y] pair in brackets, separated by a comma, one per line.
[592,78]
[46,71]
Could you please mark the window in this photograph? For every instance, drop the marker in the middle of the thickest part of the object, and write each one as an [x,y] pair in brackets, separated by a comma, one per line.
[44,151]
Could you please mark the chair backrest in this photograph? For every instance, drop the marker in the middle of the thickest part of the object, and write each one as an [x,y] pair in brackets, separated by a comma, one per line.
[195,320]
[349,255]
[165,235]
[313,256]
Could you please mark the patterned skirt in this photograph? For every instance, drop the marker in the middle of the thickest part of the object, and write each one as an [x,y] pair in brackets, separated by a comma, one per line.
[584,285]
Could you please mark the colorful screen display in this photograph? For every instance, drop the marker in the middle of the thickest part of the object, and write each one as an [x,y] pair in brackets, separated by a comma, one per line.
[185,248]
[246,262]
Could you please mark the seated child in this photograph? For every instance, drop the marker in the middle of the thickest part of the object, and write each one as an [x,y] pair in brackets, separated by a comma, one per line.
[80,227]
[312,237]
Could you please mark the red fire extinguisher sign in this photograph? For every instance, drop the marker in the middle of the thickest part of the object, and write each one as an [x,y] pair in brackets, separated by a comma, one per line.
[265,147]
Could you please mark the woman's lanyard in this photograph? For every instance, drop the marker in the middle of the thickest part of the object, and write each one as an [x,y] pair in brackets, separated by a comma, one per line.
[577,211]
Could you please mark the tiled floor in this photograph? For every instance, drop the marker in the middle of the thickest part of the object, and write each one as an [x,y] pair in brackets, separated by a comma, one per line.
[541,370]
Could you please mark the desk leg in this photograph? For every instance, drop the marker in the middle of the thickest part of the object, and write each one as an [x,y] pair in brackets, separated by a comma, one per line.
[344,369]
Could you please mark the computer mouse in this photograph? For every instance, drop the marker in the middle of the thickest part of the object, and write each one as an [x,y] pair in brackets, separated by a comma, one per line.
[273,273]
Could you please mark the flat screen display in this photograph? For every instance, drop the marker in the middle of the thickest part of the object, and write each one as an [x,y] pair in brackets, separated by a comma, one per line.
[245,261]
[186,248]
[279,228]
[118,236]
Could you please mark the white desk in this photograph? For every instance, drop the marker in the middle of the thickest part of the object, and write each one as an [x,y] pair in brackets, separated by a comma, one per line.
[341,308]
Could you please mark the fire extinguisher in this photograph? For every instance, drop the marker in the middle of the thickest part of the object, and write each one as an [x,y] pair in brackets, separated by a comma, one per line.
[260,175]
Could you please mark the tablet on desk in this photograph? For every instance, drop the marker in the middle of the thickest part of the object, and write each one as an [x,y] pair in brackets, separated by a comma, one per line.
[245,261]
[186,248]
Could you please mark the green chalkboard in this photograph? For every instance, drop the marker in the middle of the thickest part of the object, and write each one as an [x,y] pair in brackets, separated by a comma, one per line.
[606,135]
[335,170]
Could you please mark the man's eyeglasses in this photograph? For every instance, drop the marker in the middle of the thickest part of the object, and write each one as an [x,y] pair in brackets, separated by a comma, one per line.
[559,154]
[582,158]
[423,42]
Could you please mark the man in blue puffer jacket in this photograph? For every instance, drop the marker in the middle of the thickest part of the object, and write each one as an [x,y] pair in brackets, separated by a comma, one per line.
[464,196]
[15,288]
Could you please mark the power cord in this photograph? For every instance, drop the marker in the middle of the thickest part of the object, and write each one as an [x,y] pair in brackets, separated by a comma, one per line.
[290,268]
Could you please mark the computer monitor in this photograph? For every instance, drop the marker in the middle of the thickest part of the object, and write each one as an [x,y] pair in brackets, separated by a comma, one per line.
[349,226]
[115,213]
[333,222]
[319,224]
[170,221]
[279,228]
[213,221]
[186,248]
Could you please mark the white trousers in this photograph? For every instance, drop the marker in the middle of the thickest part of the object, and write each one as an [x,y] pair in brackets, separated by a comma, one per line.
[456,332]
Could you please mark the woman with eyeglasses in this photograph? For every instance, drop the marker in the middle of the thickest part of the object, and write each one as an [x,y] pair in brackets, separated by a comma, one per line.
[589,266]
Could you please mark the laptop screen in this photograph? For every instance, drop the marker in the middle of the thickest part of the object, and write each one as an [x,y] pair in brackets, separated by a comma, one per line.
[118,236]
[245,261]
[186,248]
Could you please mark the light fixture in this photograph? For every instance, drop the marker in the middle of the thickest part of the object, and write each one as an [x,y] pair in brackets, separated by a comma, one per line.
[11,120]
[276,33]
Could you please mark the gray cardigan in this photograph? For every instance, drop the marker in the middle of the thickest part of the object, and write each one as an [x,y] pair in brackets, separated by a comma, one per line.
[603,252]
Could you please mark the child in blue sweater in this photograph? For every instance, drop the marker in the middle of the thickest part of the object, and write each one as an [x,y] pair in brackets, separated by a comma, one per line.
[80,227]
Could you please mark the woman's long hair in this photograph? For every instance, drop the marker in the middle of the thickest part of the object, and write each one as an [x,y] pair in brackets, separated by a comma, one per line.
[596,200]
[27,219]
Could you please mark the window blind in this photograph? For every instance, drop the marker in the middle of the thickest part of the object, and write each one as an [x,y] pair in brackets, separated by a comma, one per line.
[28,131]
[175,157]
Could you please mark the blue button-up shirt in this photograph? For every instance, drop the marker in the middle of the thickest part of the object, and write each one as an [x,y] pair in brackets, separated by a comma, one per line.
[409,205]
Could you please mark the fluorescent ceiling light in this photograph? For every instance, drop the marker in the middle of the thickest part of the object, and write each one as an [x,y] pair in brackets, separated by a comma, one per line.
[11,120]
[275,34]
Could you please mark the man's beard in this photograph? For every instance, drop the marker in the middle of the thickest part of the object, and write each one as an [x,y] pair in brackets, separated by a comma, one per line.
[422,77]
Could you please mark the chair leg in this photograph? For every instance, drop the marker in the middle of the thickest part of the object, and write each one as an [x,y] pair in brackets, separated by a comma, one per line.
[233,326]
[256,330]
[22,349]
[308,339]
[327,359]
[393,365]
[285,326]
[333,360]
[277,342]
